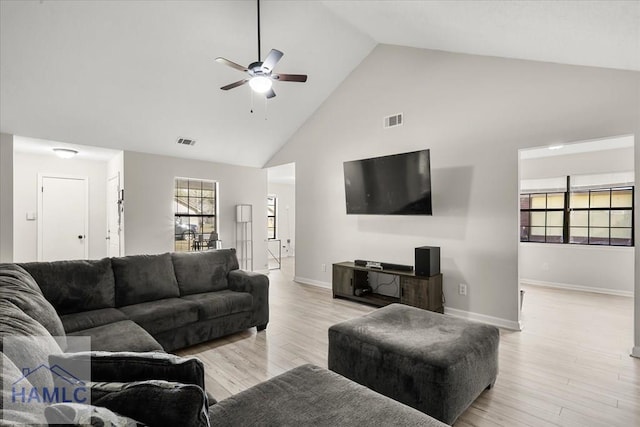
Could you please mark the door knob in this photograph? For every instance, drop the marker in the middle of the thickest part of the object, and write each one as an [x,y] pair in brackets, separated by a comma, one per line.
[80,236]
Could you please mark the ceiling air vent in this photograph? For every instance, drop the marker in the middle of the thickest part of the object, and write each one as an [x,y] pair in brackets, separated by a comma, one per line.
[186,141]
[393,121]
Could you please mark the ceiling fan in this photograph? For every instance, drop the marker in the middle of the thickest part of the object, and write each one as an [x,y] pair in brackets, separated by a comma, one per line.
[261,75]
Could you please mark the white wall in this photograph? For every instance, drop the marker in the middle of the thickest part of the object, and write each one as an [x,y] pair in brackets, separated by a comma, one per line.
[6,197]
[594,162]
[285,216]
[593,268]
[27,166]
[588,268]
[474,113]
[149,215]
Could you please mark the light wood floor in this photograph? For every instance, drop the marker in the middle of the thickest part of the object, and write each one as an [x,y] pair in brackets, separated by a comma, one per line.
[570,366]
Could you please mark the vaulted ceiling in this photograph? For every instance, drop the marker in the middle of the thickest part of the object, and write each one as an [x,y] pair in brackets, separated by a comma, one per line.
[137,75]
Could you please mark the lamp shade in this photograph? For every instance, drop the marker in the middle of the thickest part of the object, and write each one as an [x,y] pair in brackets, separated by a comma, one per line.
[260,84]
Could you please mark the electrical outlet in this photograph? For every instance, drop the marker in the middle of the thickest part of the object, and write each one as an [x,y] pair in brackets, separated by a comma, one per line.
[462,289]
[324,267]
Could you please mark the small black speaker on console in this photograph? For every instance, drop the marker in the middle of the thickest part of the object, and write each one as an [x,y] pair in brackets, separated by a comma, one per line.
[427,261]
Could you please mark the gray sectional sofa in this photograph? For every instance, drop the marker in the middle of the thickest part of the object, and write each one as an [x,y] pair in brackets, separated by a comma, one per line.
[154,302]
[148,386]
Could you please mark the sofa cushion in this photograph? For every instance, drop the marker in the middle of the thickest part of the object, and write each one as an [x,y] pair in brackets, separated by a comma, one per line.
[162,315]
[17,286]
[155,402]
[120,336]
[309,395]
[221,303]
[142,278]
[205,271]
[75,286]
[91,319]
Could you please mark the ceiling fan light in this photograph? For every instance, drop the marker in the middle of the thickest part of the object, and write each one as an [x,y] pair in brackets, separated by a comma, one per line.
[260,84]
[65,153]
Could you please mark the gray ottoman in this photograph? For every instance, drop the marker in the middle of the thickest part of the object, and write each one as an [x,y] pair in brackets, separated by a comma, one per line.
[432,362]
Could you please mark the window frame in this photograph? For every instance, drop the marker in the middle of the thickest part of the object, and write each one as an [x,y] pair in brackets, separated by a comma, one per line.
[544,210]
[200,240]
[610,209]
[273,236]
[567,228]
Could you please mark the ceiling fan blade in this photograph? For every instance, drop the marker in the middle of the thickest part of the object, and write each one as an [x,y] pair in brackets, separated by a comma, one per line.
[290,77]
[231,64]
[270,94]
[236,84]
[271,60]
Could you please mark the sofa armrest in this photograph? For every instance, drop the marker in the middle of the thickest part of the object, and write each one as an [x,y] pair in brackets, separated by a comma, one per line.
[257,285]
[129,366]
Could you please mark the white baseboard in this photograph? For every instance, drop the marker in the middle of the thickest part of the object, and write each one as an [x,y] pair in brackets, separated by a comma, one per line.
[635,352]
[495,321]
[577,288]
[312,282]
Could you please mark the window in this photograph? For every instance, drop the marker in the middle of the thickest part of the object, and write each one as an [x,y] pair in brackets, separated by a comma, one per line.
[195,211]
[542,217]
[271,217]
[601,216]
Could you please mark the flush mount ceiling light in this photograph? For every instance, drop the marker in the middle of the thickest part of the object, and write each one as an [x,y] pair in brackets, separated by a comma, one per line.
[65,153]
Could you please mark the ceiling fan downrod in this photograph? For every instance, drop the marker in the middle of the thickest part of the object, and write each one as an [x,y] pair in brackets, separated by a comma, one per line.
[259,52]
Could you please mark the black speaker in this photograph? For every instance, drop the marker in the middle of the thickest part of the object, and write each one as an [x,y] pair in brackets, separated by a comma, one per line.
[427,261]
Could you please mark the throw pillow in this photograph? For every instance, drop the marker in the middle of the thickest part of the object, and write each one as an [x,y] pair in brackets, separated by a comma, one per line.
[125,366]
[86,415]
[154,403]
[19,287]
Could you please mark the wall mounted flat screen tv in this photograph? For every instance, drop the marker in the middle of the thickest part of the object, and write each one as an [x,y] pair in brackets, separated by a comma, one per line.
[399,184]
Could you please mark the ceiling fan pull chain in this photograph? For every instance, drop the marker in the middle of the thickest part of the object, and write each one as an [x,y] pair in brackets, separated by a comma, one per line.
[265,108]
[251,94]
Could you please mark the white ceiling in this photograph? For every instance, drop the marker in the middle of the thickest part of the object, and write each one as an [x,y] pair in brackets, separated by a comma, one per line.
[137,75]
[595,33]
[43,147]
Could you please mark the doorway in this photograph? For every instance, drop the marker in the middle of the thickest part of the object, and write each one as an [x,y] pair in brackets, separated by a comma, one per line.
[63,212]
[113,216]
[576,220]
[281,208]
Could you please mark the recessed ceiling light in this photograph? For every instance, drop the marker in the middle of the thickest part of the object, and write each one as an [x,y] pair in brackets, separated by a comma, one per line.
[65,153]
[556,147]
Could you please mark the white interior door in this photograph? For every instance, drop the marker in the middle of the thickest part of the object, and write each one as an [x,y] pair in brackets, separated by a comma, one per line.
[113,216]
[63,212]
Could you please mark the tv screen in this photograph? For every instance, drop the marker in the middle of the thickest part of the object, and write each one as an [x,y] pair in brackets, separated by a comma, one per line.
[399,184]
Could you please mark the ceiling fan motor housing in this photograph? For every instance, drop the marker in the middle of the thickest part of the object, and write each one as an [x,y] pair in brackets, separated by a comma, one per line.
[255,68]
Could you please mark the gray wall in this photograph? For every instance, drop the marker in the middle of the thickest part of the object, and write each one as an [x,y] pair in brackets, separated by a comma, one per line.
[474,113]
[148,207]
[6,197]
